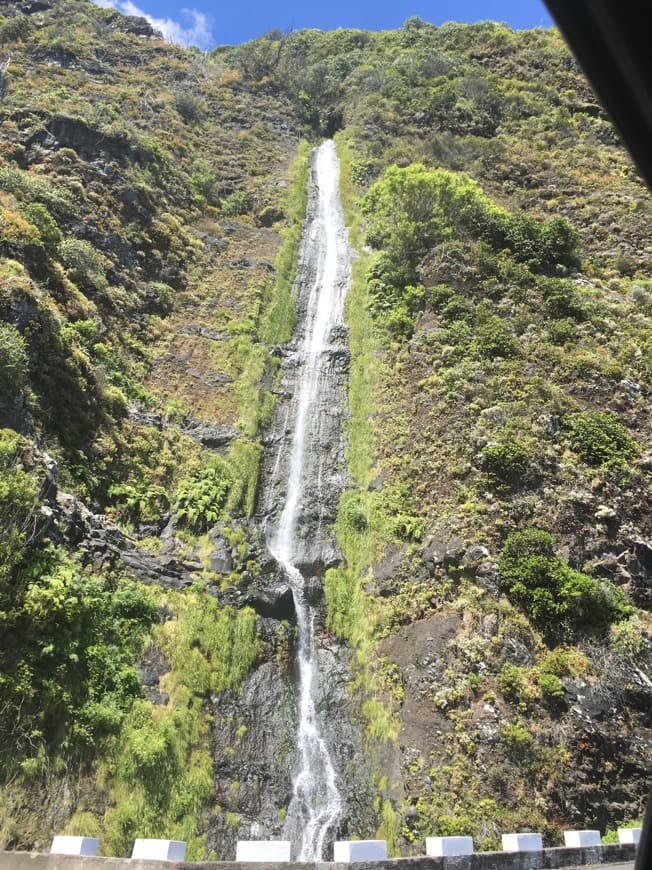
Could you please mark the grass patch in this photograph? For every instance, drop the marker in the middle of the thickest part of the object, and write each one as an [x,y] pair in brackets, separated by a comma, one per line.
[361,526]
[159,769]
[280,319]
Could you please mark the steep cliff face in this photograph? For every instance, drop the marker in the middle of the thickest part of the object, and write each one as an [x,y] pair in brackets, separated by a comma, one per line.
[484,639]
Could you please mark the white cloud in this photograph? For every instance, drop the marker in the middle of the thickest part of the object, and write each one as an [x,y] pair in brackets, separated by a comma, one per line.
[194,30]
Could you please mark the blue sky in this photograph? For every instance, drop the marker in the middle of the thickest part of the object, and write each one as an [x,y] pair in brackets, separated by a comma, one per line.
[207,23]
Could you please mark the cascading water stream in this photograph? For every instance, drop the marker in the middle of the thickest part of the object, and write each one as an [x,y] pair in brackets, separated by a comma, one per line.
[316,803]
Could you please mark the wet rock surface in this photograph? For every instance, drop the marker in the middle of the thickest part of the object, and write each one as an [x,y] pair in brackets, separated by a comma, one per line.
[254,740]
[325,465]
[275,754]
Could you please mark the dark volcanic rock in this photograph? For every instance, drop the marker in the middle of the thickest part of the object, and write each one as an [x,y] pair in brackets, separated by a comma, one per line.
[139,26]
[443,549]
[417,651]
[151,667]
[100,542]
[254,740]
[275,604]
[208,435]
[35,6]
[385,570]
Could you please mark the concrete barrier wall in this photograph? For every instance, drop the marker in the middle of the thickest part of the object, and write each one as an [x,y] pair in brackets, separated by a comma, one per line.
[548,859]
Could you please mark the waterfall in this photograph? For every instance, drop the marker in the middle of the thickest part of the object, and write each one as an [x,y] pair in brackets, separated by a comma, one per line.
[314,422]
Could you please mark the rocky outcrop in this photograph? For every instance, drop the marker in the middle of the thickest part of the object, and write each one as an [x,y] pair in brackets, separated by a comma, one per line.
[100,542]
[63,131]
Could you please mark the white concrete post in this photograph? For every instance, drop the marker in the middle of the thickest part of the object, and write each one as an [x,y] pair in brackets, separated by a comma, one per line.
[629,836]
[448,847]
[346,851]
[263,851]
[87,847]
[522,842]
[159,850]
[579,839]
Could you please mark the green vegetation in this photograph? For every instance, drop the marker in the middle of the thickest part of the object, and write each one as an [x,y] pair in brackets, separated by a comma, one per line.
[14,363]
[70,637]
[201,496]
[506,462]
[555,596]
[413,209]
[210,648]
[159,767]
[281,317]
[599,438]
[499,327]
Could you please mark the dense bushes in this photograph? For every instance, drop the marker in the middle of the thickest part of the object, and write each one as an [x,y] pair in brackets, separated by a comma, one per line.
[506,462]
[556,597]
[412,210]
[18,511]
[494,339]
[161,764]
[67,670]
[599,438]
[69,637]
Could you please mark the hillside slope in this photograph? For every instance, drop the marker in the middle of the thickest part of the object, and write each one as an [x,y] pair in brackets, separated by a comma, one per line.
[503,463]
[494,603]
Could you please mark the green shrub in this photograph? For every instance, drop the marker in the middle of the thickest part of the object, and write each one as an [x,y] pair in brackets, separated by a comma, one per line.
[18,237]
[353,512]
[202,495]
[203,181]
[600,439]
[539,245]
[551,687]
[494,339]
[555,596]
[562,331]
[562,301]
[18,510]
[190,106]
[160,297]
[394,301]
[28,187]
[85,264]
[510,682]
[506,462]
[139,503]
[38,215]
[516,738]
[413,208]
[458,308]
[14,363]
[15,29]
[628,637]
[236,203]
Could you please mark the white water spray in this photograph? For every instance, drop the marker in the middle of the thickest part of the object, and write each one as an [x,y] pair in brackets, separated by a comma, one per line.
[316,802]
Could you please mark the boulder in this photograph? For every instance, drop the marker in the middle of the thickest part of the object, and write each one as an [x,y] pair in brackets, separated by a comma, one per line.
[443,549]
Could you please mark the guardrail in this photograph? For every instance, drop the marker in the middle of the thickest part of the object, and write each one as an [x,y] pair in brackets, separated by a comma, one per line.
[547,859]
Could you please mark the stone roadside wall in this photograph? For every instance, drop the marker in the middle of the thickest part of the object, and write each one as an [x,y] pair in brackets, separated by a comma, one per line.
[549,859]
